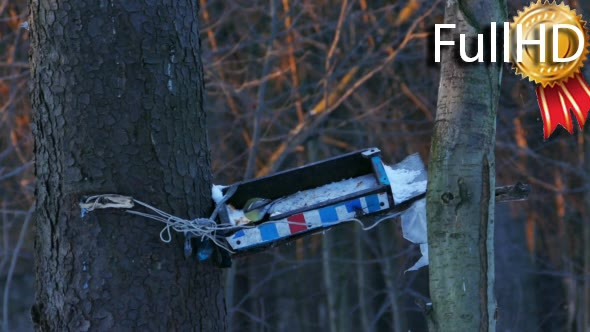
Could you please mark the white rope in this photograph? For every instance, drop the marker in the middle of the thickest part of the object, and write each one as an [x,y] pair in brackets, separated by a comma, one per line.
[200,227]
[379,221]
[107,201]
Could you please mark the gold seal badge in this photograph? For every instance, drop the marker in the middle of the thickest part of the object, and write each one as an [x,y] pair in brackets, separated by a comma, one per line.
[548,73]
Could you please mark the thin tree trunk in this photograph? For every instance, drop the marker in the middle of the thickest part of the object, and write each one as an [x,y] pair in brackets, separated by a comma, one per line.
[361,279]
[313,154]
[460,198]
[585,297]
[329,282]
[583,7]
[387,241]
[515,285]
[345,321]
[118,99]
[230,291]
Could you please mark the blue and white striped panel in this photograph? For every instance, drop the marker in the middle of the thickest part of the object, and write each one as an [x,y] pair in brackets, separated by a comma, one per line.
[319,218]
[312,218]
[244,238]
[263,233]
[335,214]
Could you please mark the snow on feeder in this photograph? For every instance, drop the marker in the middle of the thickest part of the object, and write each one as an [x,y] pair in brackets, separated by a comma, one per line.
[297,202]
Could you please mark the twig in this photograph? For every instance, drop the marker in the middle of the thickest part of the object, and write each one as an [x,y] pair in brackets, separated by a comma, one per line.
[517,192]
[15,253]
[303,130]
[426,308]
[292,62]
[16,171]
[251,164]
[419,104]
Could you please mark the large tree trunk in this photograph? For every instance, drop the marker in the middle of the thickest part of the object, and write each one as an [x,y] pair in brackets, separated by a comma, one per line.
[118,99]
[460,198]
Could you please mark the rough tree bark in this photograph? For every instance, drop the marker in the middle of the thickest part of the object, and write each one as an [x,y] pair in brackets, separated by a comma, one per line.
[117,91]
[460,198]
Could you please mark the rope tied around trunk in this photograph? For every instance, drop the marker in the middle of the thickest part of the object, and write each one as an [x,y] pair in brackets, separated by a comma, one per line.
[199,227]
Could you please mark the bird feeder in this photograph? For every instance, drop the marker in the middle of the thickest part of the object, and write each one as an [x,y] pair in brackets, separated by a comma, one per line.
[310,199]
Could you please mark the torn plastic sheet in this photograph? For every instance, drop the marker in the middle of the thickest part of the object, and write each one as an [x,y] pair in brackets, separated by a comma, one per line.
[414,222]
[414,230]
[408,178]
[423,261]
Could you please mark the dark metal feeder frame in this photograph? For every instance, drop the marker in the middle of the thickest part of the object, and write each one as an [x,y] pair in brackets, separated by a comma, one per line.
[289,225]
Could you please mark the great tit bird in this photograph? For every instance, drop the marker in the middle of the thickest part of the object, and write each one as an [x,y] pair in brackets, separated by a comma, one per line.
[256,208]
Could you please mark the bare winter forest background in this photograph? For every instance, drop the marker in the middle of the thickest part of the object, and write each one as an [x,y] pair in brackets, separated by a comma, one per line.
[270,68]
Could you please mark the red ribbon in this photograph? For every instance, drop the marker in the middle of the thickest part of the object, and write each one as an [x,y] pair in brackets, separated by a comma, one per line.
[557,101]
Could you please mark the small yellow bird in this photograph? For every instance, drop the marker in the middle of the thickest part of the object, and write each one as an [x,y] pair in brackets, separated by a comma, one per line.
[256,209]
